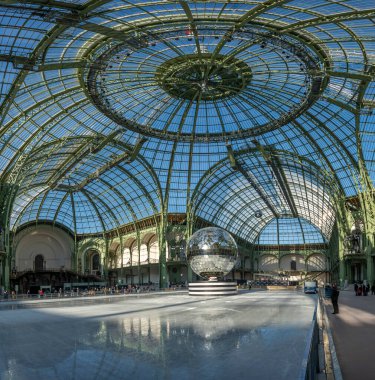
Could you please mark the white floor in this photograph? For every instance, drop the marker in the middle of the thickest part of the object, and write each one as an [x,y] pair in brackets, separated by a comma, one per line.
[253,335]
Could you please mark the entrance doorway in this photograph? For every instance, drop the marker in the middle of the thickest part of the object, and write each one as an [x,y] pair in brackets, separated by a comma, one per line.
[357,271]
[39,263]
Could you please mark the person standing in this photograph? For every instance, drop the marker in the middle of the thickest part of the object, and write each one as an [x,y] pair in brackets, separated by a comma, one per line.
[359,289]
[335,298]
[356,288]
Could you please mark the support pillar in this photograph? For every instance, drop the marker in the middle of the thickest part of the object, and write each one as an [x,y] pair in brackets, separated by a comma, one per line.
[106,260]
[342,273]
[9,258]
[163,271]
[189,274]
[370,269]
[148,263]
[139,257]
[5,267]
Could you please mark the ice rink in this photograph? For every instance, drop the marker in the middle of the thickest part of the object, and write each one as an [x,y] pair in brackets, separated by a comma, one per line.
[252,335]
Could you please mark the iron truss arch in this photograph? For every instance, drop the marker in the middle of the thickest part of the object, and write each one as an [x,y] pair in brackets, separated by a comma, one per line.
[249,189]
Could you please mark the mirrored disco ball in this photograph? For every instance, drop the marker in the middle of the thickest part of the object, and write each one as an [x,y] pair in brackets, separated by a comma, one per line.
[211,252]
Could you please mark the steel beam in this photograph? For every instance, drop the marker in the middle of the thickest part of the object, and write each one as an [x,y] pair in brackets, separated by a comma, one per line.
[254,183]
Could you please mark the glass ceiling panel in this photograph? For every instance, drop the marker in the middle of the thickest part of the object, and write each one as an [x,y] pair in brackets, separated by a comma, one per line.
[290,231]
[367,131]
[115,74]
[27,200]
[88,215]
[19,33]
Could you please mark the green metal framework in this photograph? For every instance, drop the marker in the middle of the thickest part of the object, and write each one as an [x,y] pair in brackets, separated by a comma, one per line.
[113,112]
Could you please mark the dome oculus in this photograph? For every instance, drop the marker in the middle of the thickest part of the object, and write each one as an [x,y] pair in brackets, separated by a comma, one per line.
[175,87]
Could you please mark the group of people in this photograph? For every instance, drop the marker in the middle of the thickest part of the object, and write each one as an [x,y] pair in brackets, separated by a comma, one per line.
[6,294]
[360,289]
[363,289]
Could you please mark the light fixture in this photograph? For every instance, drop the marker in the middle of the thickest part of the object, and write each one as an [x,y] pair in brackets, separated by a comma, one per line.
[258,214]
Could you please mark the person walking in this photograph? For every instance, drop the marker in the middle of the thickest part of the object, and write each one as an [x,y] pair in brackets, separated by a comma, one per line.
[335,298]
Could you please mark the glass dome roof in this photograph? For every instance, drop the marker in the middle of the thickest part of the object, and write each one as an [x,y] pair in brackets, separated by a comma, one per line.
[170,84]
[116,111]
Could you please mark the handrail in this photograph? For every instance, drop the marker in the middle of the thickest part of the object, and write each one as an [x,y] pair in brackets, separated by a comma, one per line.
[310,361]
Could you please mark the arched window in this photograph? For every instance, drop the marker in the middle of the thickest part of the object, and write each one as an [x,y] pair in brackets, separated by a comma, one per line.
[95,261]
[39,263]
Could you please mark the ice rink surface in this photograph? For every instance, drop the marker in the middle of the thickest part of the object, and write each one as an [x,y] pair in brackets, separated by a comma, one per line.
[253,335]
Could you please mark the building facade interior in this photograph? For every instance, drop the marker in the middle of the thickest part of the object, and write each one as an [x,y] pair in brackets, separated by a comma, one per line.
[126,126]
